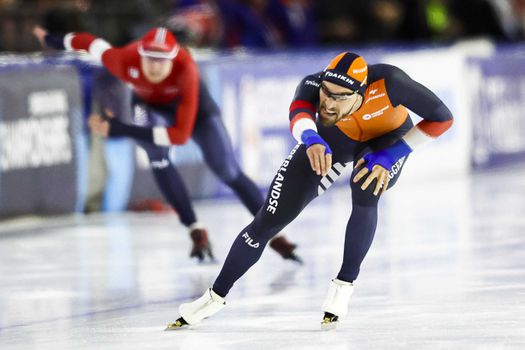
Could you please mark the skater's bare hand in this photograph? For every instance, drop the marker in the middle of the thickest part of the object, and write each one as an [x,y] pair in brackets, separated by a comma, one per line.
[378,172]
[319,161]
[40,33]
[99,125]
[108,113]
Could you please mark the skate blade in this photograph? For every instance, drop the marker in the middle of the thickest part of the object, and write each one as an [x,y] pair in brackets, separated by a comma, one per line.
[204,257]
[198,256]
[296,259]
[208,262]
[179,324]
[328,326]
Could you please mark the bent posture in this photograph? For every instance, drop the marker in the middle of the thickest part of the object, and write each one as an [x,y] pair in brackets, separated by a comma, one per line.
[350,112]
[171,105]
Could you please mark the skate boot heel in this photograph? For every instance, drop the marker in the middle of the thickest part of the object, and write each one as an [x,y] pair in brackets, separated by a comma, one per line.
[192,313]
[336,303]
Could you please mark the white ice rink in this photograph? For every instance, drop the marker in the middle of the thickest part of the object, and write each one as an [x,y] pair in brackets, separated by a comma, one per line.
[446,271]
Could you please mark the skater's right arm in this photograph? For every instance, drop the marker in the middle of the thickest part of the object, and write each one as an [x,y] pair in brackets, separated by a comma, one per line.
[101,50]
[304,106]
[302,124]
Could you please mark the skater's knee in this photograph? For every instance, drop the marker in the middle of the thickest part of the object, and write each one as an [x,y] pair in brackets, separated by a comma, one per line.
[265,229]
[157,156]
[262,228]
[364,197]
[159,163]
[228,173]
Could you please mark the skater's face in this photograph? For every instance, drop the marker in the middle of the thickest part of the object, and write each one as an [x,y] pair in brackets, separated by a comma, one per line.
[156,69]
[335,102]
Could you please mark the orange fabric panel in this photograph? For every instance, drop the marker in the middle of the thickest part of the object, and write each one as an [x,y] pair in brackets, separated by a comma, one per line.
[335,61]
[434,129]
[375,117]
[358,69]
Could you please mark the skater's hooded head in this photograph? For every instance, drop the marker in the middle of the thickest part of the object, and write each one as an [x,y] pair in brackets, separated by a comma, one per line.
[157,49]
[342,87]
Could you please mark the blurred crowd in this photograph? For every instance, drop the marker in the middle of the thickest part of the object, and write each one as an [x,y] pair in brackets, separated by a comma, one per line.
[270,24]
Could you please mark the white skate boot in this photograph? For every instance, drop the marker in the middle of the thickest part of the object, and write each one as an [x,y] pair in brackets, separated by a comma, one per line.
[194,312]
[336,303]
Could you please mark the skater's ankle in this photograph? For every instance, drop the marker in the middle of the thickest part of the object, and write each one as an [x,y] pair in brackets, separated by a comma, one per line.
[219,294]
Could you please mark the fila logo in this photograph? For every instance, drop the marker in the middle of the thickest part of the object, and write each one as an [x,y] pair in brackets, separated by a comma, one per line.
[373,91]
[134,72]
[359,70]
[249,240]
[160,164]
[375,114]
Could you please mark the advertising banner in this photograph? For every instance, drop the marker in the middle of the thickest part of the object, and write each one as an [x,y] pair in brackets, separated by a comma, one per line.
[40,118]
[497,109]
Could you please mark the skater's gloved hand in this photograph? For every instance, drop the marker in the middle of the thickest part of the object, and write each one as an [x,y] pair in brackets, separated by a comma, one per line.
[379,164]
[318,152]
[100,124]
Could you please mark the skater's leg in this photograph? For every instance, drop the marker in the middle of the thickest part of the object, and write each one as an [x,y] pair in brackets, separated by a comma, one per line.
[360,232]
[167,177]
[174,191]
[294,186]
[210,134]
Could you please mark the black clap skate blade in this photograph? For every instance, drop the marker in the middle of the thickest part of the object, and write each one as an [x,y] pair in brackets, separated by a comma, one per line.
[199,255]
[205,257]
[211,257]
[294,258]
[329,321]
[329,325]
[180,323]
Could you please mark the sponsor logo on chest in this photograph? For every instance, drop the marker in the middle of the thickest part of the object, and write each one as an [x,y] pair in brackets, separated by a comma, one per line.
[375,114]
[371,98]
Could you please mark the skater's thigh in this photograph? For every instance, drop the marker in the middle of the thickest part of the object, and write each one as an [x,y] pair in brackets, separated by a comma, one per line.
[293,187]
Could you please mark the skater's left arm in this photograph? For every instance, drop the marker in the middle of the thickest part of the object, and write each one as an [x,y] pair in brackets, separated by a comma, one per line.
[110,57]
[437,118]
[180,132]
